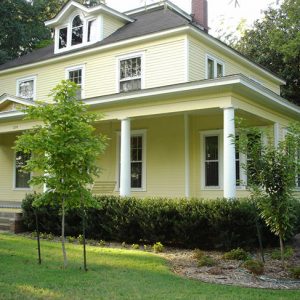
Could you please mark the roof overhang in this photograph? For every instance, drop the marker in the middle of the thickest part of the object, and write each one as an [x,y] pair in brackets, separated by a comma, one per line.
[9,98]
[234,84]
[71,5]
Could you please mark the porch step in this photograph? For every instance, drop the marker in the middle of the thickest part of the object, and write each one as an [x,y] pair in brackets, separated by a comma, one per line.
[10,204]
[4,226]
[11,218]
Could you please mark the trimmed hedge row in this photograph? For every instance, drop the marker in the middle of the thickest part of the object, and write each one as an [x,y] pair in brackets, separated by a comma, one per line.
[206,224]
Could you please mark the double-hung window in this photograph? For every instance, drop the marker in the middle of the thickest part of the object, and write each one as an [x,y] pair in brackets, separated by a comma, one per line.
[26,88]
[62,37]
[130,73]
[211,164]
[214,67]
[21,177]
[137,160]
[76,74]
[77,31]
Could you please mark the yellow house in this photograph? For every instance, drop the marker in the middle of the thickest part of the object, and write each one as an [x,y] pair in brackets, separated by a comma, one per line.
[169,93]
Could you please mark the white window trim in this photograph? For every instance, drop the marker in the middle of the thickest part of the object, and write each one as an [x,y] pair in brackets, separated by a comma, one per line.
[216,61]
[14,176]
[243,159]
[27,78]
[203,135]
[143,133]
[129,56]
[75,68]
[68,25]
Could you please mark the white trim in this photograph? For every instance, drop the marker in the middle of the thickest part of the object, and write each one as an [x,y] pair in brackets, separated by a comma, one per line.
[276,129]
[203,135]
[14,188]
[99,8]
[75,68]
[135,132]
[119,58]
[187,155]
[216,61]
[27,78]
[157,5]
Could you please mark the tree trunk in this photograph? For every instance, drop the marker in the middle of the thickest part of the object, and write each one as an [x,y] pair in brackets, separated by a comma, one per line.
[261,248]
[84,242]
[281,250]
[63,233]
[38,237]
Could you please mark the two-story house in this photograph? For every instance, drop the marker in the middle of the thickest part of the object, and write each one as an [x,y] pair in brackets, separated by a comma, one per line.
[169,93]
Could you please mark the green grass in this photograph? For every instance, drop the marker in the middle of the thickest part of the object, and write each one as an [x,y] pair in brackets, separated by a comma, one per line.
[113,274]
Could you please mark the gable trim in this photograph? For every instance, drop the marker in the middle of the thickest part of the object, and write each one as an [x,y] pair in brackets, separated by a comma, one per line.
[6,97]
[101,7]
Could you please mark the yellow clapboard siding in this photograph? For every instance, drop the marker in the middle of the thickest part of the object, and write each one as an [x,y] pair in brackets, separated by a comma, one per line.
[110,25]
[197,54]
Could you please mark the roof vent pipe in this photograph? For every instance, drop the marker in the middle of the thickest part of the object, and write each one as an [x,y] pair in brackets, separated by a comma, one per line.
[200,13]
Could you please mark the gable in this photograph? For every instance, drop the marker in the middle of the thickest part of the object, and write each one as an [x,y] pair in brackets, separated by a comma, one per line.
[10,103]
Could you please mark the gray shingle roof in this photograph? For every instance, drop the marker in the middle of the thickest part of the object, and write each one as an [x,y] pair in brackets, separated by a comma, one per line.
[147,22]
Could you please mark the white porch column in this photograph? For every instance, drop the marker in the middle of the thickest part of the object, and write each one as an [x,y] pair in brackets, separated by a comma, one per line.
[276,134]
[187,155]
[229,154]
[125,166]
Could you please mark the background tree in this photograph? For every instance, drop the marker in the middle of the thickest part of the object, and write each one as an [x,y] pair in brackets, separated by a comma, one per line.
[272,171]
[274,42]
[63,151]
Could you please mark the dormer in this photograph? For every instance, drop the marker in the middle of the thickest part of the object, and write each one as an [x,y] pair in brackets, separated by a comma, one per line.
[77,25]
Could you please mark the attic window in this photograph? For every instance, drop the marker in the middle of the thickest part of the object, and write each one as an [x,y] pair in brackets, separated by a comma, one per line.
[63,37]
[92,31]
[77,31]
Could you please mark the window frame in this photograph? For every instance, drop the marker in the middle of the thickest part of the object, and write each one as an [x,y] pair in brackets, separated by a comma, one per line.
[138,132]
[216,61]
[76,68]
[15,188]
[23,79]
[130,56]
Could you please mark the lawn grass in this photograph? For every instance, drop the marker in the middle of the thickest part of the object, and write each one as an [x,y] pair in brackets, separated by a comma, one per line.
[113,274]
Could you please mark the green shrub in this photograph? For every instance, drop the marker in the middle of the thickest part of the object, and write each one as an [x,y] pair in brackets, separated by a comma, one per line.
[295,272]
[71,239]
[135,246]
[198,254]
[194,223]
[288,253]
[80,239]
[254,266]
[206,261]
[158,247]
[236,254]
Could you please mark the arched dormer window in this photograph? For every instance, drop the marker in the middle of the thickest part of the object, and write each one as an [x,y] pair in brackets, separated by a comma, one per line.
[77,31]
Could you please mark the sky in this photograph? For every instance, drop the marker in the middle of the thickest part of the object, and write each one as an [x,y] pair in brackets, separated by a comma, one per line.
[222,13]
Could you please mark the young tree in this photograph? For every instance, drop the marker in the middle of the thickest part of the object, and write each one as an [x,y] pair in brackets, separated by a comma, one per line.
[272,171]
[63,151]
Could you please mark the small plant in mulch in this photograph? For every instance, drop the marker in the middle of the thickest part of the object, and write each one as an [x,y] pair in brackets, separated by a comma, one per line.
[207,261]
[146,248]
[256,267]
[215,271]
[80,239]
[135,246]
[158,247]
[236,254]
[50,236]
[102,243]
[123,245]
[198,254]
[295,272]
[288,253]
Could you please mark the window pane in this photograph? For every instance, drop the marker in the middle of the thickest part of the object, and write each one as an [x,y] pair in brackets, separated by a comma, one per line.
[211,148]
[26,89]
[130,74]
[219,70]
[77,31]
[237,172]
[22,177]
[92,31]
[130,85]
[63,36]
[136,174]
[210,69]
[211,173]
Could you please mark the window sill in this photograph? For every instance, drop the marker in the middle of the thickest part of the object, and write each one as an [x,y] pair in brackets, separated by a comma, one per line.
[22,189]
